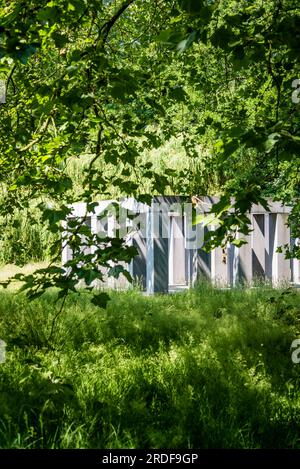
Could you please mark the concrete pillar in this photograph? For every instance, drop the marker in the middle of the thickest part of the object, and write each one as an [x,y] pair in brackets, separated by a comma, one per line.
[258,244]
[296,271]
[295,264]
[198,261]
[269,241]
[244,268]
[220,273]
[191,266]
[177,251]
[202,261]
[137,266]
[203,264]
[157,277]
[281,269]
[198,266]
[233,264]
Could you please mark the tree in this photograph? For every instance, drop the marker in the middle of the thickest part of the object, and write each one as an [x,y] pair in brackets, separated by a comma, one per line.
[111,78]
[241,64]
[70,90]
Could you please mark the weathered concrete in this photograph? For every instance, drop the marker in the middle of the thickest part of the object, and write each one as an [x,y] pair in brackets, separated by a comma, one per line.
[169,245]
[281,267]
[244,253]
[157,278]
[258,245]
[220,273]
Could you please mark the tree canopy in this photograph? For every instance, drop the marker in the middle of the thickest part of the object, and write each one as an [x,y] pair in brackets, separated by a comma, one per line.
[111,79]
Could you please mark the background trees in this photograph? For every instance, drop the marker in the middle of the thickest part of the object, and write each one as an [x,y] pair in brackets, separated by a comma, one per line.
[109,81]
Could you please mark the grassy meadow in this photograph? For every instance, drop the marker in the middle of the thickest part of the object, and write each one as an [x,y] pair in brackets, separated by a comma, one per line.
[205,368]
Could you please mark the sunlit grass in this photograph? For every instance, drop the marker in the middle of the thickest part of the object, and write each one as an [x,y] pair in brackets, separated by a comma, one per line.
[201,369]
[9,270]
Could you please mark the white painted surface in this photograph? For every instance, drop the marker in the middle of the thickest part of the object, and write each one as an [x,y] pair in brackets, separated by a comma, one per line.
[281,266]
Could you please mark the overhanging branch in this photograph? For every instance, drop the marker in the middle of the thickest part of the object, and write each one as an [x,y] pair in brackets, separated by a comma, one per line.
[105,29]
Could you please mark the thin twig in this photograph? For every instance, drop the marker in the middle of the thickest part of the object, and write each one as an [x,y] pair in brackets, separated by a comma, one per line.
[57,315]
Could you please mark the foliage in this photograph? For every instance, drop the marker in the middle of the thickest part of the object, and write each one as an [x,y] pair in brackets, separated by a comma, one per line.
[25,238]
[68,94]
[242,63]
[113,79]
[203,369]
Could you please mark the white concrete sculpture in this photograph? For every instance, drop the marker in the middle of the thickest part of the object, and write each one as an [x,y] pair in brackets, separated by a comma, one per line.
[170,247]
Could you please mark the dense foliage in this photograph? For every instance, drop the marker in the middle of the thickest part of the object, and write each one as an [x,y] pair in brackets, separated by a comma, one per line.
[110,98]
[111,80]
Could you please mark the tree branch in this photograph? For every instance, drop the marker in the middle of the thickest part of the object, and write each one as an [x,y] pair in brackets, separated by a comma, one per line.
[105,29]
[9,78]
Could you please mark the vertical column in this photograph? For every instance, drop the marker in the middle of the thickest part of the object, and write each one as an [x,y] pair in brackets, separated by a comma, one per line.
[129,236]
[269,238]
[157,277]
[138,263]
[244,269]
[124,229]
[296,271]
[203,260]
[86,248]
[220,266]
[177,252]
[281,269]
[295,265]
[233,263]
[258,244]
[199,266]
[2,91]
[171,251]
[137,266]
[203,264]
[198,261]
[192,267]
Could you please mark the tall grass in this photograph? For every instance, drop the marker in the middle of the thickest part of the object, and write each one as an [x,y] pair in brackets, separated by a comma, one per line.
[202,369]
[24,237]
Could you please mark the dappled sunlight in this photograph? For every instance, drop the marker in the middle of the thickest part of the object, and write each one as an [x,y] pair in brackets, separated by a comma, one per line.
[205,368]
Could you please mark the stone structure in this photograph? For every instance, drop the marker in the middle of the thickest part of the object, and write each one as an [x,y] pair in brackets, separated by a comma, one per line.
[169,245]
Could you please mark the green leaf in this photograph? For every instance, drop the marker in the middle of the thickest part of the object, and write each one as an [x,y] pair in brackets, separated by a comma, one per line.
[178,94]
[100,300]
[186,43]
[238,242]
[222,206]
[271,141]
[191,6]
[25,52]
[206,220]
[60,40]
